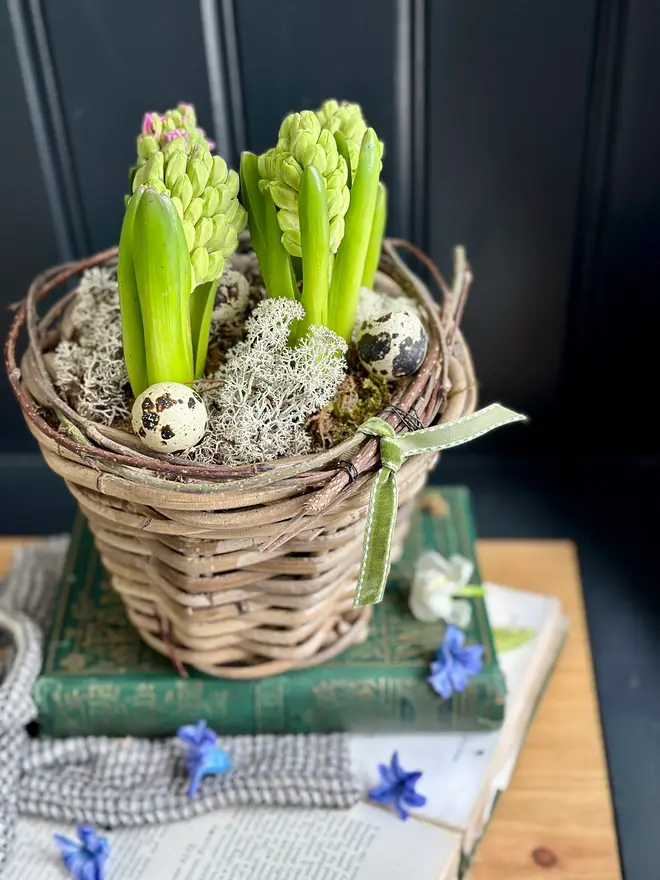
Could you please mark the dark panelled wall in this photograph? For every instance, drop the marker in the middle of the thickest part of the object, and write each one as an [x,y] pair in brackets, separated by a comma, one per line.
[526,131]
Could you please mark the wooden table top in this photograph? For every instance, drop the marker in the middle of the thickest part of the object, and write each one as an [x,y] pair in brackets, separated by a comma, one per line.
[556,819]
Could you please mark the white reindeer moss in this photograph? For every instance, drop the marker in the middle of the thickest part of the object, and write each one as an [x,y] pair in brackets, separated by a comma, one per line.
[89,367]
[258,400]
[265,391]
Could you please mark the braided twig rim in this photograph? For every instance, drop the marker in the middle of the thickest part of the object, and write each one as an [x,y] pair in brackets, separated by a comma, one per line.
[424,397]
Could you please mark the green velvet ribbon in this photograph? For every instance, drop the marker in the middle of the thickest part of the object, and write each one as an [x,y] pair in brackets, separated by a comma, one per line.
[383,503]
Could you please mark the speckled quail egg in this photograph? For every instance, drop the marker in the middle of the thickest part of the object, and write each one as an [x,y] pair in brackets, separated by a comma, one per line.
[231,298]
[392,345]
[169,417]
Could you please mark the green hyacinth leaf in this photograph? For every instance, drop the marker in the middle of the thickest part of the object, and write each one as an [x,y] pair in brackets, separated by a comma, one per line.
[201,313]
[342,148]
[372,259]
[129,303]
[315,248]
[507,639]
[254,201]
[280,271]
[469,592]
[164,278]
[351,255]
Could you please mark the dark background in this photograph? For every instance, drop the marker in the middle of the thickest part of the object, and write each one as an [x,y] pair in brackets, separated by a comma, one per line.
[527,130]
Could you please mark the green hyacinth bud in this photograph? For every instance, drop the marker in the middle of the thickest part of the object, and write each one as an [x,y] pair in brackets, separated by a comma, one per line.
[303,143]
[346,118]
[200,262]
[266,167]
[290,171]
[199,169]
[203,231]
[174,159]
[183,190]
[210,201]
[175,168]
[284,196]
[219,171]
[194,211]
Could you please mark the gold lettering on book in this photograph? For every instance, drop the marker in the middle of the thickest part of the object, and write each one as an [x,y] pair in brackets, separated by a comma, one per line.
[106,694]
[143,697]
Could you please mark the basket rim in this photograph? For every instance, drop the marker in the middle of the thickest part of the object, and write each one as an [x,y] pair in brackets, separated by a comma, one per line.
[351,458]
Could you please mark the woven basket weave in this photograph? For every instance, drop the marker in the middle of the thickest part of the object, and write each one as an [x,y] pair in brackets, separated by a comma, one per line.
[240,572]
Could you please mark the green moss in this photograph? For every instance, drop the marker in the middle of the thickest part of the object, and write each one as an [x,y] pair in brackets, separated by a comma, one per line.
[360,396]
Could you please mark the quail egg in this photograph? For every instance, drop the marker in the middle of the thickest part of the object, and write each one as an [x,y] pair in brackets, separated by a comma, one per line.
[231,298]
[392,345]
[169,417]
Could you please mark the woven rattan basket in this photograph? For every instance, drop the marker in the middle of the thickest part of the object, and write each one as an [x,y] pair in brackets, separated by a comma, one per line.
[245,571]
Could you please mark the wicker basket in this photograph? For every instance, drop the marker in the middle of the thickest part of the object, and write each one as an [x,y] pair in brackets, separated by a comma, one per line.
[247,571]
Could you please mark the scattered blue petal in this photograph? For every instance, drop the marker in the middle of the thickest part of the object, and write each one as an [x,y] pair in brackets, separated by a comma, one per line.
[199,734]
[203,757]
[454,664]
[85,860]
[397,788]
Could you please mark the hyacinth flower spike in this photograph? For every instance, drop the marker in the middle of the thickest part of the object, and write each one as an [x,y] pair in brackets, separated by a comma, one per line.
[317,213]
[166,338]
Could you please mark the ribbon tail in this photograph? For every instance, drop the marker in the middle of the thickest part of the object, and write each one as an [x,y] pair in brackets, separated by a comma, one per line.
[378,536]
[450,434]
[394,449]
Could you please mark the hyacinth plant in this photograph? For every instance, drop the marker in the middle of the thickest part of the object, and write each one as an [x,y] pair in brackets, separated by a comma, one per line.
[317,213]
[181,224]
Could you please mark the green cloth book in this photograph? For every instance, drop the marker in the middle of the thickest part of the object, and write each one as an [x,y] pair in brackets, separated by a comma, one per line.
[100,678]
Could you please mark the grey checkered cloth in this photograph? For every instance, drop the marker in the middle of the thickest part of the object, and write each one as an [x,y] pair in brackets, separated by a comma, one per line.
[122,782]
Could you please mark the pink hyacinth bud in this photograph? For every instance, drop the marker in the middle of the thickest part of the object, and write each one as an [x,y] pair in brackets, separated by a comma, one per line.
[175,133]
[150,123]
[209,143]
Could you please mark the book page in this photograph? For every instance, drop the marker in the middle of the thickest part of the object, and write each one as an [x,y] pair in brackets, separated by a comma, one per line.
[364,843]
[455,766]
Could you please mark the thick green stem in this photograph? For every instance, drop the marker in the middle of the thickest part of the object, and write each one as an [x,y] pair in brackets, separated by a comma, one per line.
[349,263]
[281,277]
[315,246]
[129,302]
[376,239]
[202,300]
[164,277]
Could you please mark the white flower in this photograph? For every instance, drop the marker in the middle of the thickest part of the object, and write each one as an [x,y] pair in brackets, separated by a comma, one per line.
[434,585]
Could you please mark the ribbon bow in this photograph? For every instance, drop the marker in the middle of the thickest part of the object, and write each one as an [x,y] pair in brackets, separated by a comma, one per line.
[383,502]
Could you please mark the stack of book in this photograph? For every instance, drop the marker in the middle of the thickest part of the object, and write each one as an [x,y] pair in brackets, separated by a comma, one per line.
[99,678]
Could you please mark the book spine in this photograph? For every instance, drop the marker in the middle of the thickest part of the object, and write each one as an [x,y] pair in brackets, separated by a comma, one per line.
[366,702]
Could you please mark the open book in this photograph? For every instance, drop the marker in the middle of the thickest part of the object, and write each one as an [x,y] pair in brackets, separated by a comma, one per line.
[462,776]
